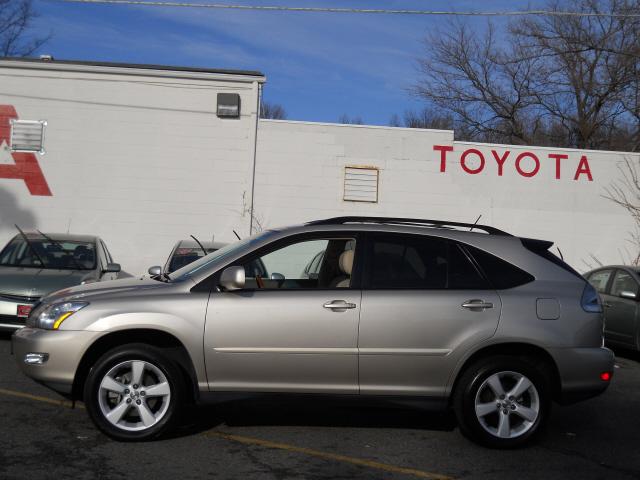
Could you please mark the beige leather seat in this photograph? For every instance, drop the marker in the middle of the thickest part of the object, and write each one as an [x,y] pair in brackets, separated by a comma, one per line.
[345,262]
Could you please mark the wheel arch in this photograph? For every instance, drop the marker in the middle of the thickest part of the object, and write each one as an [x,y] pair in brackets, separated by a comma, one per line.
[541,358]
[170,345]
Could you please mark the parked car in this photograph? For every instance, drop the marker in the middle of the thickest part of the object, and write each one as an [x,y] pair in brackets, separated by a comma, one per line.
[183,253]
[488,324]
[32,265]
[619,287]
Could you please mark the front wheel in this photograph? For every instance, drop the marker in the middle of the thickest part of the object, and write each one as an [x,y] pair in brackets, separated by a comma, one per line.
[133,393]
[502,401]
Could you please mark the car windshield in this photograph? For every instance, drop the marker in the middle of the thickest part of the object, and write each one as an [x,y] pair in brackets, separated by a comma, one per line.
[225,252]
[186,255]
[43,253]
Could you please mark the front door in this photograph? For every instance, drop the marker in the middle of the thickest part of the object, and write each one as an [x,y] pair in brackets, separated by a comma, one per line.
[288,330]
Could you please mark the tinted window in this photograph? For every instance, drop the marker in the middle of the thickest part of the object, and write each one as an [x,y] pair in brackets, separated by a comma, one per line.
[500,273]
[417,262]
[600,279]
[623,282]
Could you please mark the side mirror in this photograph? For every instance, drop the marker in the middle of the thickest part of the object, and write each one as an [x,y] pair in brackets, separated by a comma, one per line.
[112,268]
[232,278]
[628,294]
[277,276]
[155,271]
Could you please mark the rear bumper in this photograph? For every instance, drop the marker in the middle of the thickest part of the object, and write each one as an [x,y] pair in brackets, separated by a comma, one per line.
[580,370]
[64,349]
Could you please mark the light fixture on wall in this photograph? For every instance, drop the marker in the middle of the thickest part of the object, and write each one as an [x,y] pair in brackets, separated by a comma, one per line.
[228,105]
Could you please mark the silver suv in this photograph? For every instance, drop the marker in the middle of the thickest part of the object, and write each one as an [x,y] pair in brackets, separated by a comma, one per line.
[489,324]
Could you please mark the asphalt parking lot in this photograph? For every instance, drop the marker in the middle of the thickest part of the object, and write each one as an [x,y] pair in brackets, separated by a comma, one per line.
[42,437]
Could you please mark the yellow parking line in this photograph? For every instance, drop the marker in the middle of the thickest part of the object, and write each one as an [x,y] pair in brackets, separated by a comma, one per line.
[267,444]
[329,456]
[37,398]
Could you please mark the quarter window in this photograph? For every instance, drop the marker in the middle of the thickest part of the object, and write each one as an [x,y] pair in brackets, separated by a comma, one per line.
[420,262]
[500,273]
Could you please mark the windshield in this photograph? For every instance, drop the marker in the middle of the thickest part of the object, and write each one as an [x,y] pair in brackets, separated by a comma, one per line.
[43,253]
[225,252]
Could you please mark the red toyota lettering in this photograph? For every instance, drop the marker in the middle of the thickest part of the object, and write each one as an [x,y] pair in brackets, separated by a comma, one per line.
[463,159]
[558,157]
[583,167]
[500,160]
[443,149]
[532,172]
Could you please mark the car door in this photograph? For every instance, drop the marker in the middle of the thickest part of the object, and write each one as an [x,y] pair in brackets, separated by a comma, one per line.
[622,311]
[418,311]
[601,281]
[284,331]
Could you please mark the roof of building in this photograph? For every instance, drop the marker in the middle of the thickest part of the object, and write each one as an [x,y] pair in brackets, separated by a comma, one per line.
[143,66]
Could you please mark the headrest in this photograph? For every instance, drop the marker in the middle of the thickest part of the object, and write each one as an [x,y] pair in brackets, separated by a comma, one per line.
[346,262]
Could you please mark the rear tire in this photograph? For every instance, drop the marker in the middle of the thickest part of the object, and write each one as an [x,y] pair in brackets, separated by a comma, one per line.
[134,392]
[502,401]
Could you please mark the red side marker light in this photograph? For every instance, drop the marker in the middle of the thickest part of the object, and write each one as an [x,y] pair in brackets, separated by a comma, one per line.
[605,376]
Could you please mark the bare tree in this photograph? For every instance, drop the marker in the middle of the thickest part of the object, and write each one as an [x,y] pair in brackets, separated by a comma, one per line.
[626,193]
[272,110]
[16,17]
[344,118]
[426,118]
[559,80]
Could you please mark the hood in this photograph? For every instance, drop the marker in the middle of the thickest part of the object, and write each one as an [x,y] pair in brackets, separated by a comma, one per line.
[38,282]
[110,288]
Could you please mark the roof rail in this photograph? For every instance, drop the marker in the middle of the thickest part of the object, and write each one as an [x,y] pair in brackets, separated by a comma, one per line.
[409,221]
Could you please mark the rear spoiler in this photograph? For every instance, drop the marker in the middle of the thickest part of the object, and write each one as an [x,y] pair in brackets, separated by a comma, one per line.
[541,248]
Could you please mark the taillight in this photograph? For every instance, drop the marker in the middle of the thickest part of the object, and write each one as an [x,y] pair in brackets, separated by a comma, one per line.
[591,300]
[605,376]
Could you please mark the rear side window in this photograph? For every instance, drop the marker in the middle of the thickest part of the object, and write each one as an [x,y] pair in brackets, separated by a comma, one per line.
[600,279]
[500,273]
[419,262]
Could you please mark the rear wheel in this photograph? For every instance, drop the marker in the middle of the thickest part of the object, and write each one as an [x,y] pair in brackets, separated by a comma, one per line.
[134,393]
[502,401]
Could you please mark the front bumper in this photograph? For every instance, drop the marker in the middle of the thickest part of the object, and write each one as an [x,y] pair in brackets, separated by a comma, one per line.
[580,370]
[64,348]
[9,319]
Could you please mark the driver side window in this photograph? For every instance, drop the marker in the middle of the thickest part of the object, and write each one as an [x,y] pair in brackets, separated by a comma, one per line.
[308,264]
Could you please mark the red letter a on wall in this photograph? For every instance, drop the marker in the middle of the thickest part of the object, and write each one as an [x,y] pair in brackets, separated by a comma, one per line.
[26,167]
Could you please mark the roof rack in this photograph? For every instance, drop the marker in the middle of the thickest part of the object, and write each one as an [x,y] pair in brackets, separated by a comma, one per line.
[409,221]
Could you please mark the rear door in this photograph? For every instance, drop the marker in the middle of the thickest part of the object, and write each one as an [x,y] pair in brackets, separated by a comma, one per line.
[621,312]
[423,299]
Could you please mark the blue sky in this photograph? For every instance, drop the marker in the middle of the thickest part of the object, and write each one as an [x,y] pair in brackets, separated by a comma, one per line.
[318,66]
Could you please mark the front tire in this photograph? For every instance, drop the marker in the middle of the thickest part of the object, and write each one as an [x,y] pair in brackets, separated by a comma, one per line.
[134,392]
[502,401]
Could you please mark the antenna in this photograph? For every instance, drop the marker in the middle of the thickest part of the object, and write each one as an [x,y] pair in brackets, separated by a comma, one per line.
[476,222]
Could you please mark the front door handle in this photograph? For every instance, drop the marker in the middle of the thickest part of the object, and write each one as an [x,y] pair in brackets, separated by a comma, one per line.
[339,305]
[476,304]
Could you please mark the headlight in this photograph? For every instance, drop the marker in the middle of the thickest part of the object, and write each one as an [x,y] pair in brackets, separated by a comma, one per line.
[53,315]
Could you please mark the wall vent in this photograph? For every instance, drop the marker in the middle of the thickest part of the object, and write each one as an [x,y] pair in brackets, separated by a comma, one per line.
[27,135]
[361,184]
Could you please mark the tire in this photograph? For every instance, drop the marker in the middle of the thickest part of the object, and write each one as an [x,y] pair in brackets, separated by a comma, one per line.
[519,418]
[129,411]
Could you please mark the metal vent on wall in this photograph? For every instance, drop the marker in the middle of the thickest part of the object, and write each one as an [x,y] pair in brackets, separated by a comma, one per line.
[361,184]
[27,135]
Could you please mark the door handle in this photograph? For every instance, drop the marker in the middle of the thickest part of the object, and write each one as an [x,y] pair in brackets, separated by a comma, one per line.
[477,304]
[607,305]
[339,305]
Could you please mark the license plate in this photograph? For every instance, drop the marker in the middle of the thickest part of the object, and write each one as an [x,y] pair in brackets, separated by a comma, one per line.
[23,311]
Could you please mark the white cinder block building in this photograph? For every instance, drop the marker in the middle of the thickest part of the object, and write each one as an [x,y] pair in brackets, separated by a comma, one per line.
[146,155]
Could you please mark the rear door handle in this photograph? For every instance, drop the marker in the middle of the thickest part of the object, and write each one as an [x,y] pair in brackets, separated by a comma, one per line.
[337,305]
[477,304]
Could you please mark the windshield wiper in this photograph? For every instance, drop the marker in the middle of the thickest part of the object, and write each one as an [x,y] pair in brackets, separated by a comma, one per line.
[55,242]
[31,247]
[198,242]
